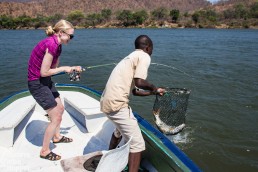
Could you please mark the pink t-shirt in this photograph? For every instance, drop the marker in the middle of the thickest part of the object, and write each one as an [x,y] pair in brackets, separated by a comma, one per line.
[38,53]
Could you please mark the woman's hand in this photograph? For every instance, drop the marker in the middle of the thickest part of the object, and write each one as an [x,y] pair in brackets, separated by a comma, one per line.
[77,68]
[70,69]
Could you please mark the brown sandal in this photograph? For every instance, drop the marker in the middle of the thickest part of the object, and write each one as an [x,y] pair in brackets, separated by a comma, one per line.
[48,117]
[64,140]
[51,156]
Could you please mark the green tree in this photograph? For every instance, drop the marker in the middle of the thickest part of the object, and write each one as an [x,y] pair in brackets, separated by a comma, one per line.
[240,11]
[6,22]
[24,21]
[140,17]
[159,13]
[196,17]
[174,14]
[211,15]
[228,14]
[76,17]
[106,14]
[39,21]
[55,18]
[126,17]
[254,10]
[186,14]
[94,19]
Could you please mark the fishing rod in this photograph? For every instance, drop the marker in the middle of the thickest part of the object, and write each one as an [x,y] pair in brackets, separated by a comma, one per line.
[75,76]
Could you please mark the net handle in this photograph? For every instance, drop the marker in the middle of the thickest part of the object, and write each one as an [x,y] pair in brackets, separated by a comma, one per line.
[178,90]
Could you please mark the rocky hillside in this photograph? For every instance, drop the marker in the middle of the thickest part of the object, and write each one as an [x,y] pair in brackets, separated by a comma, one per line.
[223,5]
[235,1]
[64,7]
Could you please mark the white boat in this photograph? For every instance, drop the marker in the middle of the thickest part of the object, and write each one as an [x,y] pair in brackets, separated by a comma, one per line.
[23,122]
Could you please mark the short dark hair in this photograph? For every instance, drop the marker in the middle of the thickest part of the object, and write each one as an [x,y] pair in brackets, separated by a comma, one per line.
[142,41]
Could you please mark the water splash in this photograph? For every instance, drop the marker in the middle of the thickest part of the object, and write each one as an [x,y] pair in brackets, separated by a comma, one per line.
[181,138]
[172,67]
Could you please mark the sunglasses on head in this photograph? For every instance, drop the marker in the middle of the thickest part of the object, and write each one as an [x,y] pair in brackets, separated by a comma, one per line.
[70,35]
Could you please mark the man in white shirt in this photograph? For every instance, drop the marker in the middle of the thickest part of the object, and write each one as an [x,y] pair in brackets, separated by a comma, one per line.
[129,75]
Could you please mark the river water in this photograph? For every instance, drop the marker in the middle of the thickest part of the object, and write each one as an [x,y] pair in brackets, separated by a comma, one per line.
[220,67]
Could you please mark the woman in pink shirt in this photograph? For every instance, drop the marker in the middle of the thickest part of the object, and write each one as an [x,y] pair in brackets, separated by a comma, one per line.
[43,63]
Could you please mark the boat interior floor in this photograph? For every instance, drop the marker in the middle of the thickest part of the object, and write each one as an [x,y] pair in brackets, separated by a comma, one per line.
[26,151]
[24,155]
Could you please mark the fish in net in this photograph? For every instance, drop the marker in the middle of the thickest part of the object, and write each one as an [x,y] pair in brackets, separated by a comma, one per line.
[169,110]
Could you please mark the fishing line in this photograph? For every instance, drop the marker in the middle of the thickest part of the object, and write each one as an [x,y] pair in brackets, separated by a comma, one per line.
[101,65]
[172,67]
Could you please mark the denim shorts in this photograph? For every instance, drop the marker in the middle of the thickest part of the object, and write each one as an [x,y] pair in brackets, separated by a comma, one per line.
[44,92]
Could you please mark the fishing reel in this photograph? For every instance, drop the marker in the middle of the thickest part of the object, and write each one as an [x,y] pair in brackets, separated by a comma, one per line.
[75,75]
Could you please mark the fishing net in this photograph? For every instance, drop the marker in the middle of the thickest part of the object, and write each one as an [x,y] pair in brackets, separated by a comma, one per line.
[169,110]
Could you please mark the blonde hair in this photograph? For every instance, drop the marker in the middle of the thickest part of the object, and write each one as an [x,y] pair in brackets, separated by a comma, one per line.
[60,25]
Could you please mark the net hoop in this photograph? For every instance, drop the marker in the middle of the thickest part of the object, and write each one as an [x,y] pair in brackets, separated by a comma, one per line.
[178,90]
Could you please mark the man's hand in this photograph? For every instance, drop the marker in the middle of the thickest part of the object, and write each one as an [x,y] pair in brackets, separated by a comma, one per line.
[160,91]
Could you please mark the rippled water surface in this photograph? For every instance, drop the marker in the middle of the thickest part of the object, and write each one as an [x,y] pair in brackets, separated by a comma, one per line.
[220,67]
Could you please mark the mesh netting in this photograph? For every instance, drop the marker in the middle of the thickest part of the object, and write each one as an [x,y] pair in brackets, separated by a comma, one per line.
[169,110]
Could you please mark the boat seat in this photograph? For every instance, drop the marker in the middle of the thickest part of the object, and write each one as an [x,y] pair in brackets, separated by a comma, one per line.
[13,119]
[89,114]
[114,160]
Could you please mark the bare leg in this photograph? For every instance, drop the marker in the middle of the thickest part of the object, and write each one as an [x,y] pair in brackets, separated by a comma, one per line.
[55,115]
[57,135]
[114,142]
[134,161]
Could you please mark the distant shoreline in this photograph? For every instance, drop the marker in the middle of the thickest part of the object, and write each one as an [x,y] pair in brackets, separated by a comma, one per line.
[155,25]
[218,28]
[230,15]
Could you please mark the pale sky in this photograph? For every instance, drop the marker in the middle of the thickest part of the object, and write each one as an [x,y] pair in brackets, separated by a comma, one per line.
[212,1]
